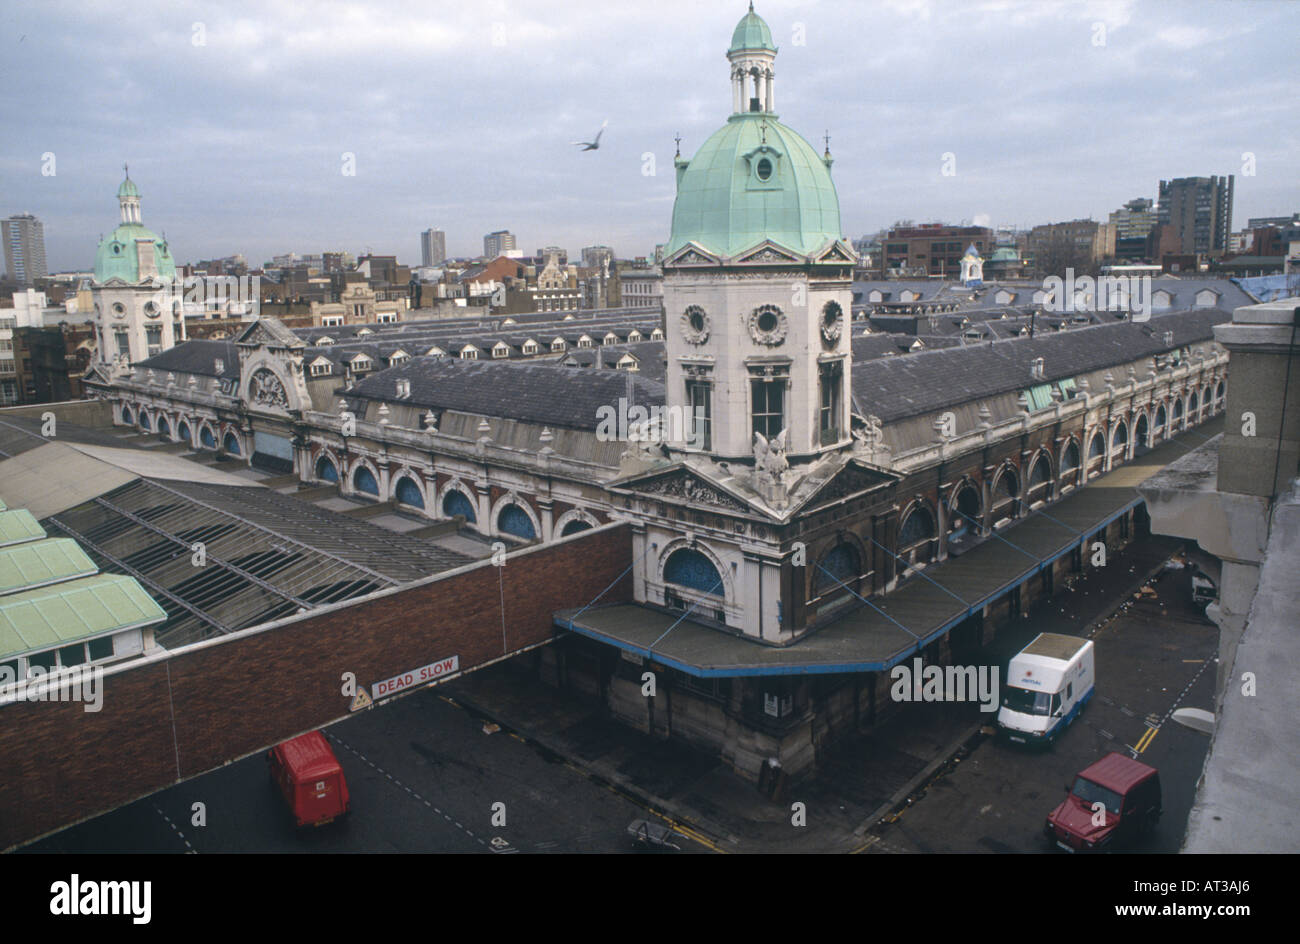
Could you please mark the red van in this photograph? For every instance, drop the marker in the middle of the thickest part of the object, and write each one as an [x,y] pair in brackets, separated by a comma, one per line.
[1128,790]
[310,779]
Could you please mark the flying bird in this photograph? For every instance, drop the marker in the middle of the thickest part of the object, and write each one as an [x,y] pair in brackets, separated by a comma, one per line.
[591,145]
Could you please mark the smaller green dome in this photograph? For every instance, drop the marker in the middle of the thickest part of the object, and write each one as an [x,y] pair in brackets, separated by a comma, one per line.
[128,189]
[751,33]
[1005,254]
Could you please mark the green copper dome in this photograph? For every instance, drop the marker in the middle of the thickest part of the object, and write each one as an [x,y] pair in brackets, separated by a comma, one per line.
[754,179]
[751,33]
[118,256]
[128,189]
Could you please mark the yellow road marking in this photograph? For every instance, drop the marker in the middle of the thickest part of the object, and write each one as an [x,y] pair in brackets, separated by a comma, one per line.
[1145,741]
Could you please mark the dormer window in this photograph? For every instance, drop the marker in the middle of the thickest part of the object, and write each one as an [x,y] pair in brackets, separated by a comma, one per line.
[764,162]
[321,368]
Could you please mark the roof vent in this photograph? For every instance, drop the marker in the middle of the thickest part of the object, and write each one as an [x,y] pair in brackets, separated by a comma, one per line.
[403,388]
[220,365]
[1037,369]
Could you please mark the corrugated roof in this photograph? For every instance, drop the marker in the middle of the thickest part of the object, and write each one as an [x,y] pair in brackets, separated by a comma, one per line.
[73,611]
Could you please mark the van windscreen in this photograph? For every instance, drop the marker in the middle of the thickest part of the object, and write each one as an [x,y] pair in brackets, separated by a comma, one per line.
[1090,793]
[1025,701]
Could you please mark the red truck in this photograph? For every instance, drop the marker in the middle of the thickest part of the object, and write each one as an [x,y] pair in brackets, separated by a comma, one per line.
[310,778]
[1112,802]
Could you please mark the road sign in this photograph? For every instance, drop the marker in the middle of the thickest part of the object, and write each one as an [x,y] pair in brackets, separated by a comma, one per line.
[416,677]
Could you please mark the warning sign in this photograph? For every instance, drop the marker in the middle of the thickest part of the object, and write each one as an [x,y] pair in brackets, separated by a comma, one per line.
[360,700]
[421,676]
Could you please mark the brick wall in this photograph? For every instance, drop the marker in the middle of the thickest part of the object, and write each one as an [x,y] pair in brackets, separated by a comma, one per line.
[60,764]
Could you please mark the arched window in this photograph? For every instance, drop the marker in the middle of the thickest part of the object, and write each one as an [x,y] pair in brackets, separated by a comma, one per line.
[840,566]
[918,526]
[1160,419]
[183,432]
[208,440]
[164,427]
[1143,433]
[574,526]
[965,509]
[687,567]
[1194,404]
[363,480]
[1098,447]
[1008,486]
[325,470]
[231,444]
[1121,436]
[514,520]
[1220,392]
[455,503]
[144,421]
[1041,473]
[1070,459]
[408,493]
[127,415]
[1178,409]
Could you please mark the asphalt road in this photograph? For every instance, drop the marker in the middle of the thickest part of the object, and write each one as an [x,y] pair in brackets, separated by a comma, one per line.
[423,777]
[1152,657]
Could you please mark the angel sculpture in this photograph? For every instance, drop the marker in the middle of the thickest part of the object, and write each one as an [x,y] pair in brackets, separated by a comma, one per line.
[769,456]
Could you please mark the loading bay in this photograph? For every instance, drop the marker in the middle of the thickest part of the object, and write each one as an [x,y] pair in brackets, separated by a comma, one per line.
[429,771]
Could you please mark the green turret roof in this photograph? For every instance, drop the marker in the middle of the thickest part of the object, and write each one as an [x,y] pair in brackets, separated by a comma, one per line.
[128,188]
[118,255]
[751,33]
[724,205]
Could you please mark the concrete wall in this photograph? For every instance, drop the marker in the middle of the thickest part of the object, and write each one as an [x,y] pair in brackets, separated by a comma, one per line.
[173,717]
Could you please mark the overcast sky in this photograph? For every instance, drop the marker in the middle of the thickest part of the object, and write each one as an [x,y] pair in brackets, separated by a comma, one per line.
[235,117]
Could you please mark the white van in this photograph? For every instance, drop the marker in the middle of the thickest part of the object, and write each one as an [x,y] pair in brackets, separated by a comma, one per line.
[1048,683]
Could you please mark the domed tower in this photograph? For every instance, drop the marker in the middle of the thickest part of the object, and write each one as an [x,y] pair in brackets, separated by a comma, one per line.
[133,288]
[757,279]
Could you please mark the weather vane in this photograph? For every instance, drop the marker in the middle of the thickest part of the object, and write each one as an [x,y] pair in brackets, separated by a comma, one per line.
[678,139]
[762,127]
[828,140]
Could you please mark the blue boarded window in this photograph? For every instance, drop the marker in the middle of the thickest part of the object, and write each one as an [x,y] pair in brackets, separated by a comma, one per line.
[363,480]
[164,427]
[127,416]
[205,436]
[325,470]
[457,504]
[514,520]
[688,568]
[183,432]
[840,566]
[144,421]
[408,493]
[231,444]
[574,526]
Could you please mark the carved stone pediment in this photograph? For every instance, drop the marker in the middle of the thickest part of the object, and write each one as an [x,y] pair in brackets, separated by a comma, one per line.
[690,488]
[850,480]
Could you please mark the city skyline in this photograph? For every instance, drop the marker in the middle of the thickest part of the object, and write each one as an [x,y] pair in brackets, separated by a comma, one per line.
[261,170]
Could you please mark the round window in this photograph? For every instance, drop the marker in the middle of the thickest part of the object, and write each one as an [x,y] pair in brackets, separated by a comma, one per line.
[832,323]
[695,324]
[119,309]
[767,321]
[764,169]
[151,309]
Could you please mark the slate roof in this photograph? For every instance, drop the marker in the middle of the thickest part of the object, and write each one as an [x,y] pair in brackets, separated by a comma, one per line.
[197,357]
[522,390]
[897,387]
